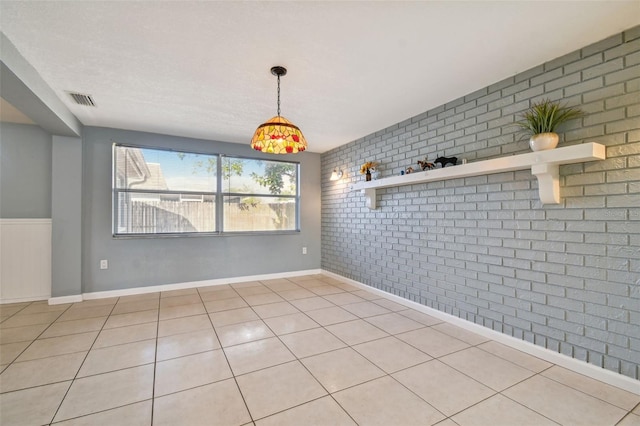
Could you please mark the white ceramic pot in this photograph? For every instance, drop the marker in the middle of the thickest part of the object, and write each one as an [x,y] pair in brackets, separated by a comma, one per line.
[543,141]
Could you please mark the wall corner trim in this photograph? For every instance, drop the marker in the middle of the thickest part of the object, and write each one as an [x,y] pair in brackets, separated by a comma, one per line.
[580,367]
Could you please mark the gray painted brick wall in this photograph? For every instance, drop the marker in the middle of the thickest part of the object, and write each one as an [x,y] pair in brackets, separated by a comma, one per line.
[565,277]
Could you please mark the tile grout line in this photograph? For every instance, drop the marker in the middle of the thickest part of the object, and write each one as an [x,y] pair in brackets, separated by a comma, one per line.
[390,375]
[580,390]
[36,338]
[82,363]
[495,392]
[18,311]
[120,369]
[524,380]
[155,360]
[351,347]
[296,358]
[299,360]
[423,326]
[630,414]
[275,335]
[355,350]
[235,380]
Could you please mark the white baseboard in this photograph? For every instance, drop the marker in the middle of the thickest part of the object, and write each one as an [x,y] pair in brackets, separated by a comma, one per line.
[65,299]
[581,367]
[23,299]
[177,286]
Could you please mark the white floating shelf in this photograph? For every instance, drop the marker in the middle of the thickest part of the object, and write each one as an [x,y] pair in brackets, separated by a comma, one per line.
[543,164]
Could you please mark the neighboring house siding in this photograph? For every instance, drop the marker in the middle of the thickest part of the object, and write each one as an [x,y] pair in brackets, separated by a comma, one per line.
[565,277]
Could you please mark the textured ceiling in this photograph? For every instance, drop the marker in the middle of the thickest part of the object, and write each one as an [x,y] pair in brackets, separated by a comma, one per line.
[201,69]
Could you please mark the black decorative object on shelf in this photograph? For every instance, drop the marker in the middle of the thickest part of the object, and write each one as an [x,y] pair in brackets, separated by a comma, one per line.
[444,161]
[425,164]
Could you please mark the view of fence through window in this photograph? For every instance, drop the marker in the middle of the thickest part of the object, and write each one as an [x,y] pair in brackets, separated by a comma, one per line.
[170,192]
[259,195]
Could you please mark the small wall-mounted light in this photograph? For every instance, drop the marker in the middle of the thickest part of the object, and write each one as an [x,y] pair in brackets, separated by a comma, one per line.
[336,174]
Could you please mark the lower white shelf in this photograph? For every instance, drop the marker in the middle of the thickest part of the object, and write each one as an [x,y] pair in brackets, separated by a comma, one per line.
[543,164]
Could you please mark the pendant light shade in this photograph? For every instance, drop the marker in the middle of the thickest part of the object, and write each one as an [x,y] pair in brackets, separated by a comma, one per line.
[278,135]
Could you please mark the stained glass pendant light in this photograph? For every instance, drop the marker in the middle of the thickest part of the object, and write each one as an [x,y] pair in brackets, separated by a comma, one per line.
[278,135]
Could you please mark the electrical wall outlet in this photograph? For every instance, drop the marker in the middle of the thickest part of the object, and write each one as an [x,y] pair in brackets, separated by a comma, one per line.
[304,250]
[104,264]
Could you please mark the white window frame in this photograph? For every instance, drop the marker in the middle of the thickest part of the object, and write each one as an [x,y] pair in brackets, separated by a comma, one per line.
[119,214]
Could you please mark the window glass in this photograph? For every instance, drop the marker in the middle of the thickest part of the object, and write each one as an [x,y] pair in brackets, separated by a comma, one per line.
[259,195]
[163,192]
[259,214]
[155,169]
[158,191]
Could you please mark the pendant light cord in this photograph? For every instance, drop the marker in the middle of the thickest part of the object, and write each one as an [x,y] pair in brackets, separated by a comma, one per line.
[278,95]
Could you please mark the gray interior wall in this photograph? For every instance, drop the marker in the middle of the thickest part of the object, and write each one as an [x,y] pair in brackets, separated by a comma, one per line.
[66,215]
[138,262]
[565,277]
[25,171]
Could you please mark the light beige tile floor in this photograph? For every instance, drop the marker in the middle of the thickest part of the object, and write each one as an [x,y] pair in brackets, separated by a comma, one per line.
[307,350]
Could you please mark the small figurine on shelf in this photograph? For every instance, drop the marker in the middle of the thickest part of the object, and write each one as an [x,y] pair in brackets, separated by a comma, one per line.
[446,160]
[425,165]
[409,170]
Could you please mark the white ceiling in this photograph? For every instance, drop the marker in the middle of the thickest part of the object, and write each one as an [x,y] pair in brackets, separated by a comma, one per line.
[201,68]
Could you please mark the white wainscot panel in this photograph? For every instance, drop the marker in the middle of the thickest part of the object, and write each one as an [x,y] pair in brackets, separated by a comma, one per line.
[25,260]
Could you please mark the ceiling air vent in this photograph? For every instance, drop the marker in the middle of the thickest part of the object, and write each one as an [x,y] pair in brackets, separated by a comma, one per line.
[82,99]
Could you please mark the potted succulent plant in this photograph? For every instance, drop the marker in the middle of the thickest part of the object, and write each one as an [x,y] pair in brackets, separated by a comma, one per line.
[540,122]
